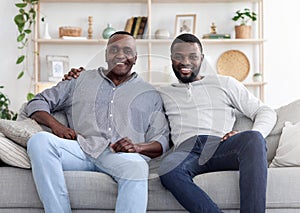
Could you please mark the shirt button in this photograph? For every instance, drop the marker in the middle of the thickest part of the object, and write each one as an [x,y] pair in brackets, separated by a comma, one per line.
[110,115]
[111,101]
[114,89]
[109,129]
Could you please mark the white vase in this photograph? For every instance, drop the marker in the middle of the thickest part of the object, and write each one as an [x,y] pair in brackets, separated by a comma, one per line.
[46,32]
[162,34]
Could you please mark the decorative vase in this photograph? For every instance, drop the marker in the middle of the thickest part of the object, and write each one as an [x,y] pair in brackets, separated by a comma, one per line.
[46,32]
[243,31]
[162,34]
[108,31]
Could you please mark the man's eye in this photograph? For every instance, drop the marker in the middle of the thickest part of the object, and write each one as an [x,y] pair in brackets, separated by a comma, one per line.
[194,57]
[177,57]
[113,50]
[128,51]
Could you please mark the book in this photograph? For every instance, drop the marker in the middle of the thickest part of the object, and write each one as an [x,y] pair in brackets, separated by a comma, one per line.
[128,25]
[137,26]
[216,36]
[142,27]
[133,25]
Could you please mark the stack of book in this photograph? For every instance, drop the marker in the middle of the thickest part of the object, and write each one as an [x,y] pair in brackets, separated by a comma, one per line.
[216,36]
[137,26]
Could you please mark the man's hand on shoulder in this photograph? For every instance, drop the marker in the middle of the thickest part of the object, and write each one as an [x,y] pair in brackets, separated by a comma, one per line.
[73,73]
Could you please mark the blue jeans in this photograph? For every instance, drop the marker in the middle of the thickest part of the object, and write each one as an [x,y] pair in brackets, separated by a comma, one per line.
[245,151]
[51,155]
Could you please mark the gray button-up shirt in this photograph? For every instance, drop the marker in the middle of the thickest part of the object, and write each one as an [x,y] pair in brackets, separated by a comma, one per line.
[102,113]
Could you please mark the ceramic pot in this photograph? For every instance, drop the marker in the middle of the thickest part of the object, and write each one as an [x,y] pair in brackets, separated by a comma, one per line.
[108,31]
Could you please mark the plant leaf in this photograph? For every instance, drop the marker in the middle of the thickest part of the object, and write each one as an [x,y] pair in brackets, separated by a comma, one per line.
[20,59]
[20,75]
[19,19]
[30,96]
[21,5]
[28,31]
[21,37]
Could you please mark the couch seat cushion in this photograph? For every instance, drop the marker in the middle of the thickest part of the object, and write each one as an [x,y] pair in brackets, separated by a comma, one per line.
[92,190]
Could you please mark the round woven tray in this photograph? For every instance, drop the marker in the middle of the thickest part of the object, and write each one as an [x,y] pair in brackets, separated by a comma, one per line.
[233,63]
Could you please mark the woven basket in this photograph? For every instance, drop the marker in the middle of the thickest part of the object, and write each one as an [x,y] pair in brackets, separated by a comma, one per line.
[70,31]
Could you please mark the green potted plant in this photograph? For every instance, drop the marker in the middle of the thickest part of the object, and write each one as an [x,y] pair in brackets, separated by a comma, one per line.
[243,29]
[5,112]
[24,20]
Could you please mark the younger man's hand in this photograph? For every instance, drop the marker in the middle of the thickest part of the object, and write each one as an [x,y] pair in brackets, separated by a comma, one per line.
[73,73]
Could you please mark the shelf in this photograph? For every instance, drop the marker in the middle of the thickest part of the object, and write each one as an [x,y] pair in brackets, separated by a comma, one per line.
[215,41]
[202,1]
[154,41]
[255,84]
[151,48]
[153,1]
[96,1]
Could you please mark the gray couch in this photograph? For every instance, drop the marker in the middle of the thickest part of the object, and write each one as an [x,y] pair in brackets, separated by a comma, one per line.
[96,192]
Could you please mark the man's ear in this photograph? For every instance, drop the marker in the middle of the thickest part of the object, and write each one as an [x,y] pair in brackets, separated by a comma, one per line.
[105,55]
[135,58]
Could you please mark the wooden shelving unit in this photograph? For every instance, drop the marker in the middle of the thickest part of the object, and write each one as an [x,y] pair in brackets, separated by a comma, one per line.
[256,43]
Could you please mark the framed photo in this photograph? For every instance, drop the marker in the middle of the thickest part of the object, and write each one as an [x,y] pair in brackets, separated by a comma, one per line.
[185,23]
[57,66]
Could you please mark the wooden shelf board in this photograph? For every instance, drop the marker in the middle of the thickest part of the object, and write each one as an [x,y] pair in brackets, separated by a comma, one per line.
[255,84]
[153,1]
[96,1]
[216,41]
[202,1]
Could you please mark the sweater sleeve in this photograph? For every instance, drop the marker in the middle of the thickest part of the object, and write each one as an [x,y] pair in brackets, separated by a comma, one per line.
[52,99]
[263,117]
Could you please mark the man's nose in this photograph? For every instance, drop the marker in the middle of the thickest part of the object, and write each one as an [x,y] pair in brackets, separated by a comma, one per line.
[185,60]
[121,54]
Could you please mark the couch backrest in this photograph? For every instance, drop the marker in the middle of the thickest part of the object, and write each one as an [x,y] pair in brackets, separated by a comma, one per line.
[290,112]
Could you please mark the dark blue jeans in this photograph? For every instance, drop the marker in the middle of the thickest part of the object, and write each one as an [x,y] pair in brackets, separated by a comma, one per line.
[245,151]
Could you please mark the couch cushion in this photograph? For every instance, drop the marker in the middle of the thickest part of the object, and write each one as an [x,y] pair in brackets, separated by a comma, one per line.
[287,153]
[19,131]
[244,123]
[12,154]
[92,190]
[290,112]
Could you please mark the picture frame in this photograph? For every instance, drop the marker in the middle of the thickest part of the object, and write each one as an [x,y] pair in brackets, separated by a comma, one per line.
[185,23]
[57,66]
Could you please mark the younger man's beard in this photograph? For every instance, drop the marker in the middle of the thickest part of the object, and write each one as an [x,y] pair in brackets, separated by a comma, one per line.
[185,80]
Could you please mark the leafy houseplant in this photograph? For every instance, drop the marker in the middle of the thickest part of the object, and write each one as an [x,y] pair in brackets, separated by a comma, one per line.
[24,20]
[5,112]
[243,30]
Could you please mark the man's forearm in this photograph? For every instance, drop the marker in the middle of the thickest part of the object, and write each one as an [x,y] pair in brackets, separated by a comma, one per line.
[44,118]
[57,128]
[152,149]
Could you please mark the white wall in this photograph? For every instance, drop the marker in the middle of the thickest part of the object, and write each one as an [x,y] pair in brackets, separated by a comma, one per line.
[281,53]
[15,89]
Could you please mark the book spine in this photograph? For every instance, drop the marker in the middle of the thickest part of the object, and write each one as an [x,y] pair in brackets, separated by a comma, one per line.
[137,26]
